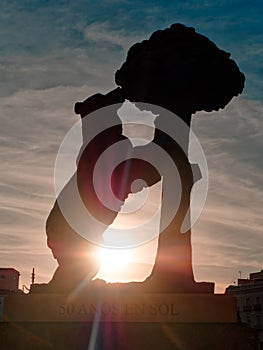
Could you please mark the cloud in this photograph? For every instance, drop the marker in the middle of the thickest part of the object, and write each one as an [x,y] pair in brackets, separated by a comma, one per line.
[55,48]
[67,67]
[33,125]
[228,235]
[231,224]
[67,52]
[102,33]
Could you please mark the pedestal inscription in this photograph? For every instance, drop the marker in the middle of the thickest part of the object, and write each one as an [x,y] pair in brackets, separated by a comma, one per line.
[158,308]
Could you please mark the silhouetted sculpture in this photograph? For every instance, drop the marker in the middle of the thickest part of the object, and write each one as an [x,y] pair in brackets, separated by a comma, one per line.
[184,72]
[77,258]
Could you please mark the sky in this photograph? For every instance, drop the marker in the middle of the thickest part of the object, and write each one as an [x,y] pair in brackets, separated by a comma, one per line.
[54,53]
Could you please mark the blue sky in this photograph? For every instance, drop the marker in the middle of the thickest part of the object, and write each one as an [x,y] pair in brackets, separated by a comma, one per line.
[45,28]
[54,53]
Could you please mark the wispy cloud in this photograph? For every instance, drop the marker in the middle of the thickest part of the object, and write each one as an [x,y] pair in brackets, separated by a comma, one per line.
[231,224]
[67,52]
[103,33]
[228,235]
[68,67]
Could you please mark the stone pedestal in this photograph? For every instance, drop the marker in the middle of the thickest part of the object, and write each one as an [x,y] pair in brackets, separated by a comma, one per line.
[116,321]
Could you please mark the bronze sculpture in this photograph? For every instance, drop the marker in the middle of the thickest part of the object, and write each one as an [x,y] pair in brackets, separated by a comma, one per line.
[183,72]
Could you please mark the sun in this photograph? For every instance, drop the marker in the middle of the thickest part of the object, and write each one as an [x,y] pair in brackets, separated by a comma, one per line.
[114,260]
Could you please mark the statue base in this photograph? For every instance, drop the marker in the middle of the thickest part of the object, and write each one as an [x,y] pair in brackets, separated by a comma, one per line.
[123,321]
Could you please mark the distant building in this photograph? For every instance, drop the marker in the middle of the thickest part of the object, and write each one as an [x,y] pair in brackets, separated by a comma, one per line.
[249,295]
[9,280]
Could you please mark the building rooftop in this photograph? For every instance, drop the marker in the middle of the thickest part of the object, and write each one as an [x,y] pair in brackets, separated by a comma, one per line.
[255,282]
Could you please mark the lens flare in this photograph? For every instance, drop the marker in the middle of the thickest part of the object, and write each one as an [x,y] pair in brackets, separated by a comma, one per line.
[113,260]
